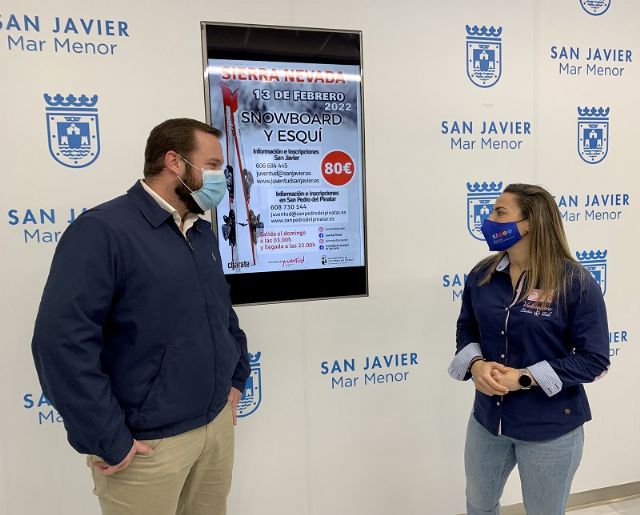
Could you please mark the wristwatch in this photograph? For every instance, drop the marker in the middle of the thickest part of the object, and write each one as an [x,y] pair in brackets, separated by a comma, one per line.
[525,379]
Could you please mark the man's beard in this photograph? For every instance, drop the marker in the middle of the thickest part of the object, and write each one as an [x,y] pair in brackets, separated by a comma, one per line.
[185,195]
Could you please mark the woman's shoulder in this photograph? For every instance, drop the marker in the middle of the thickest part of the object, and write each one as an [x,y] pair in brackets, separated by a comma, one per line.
[482,268]
[579,280]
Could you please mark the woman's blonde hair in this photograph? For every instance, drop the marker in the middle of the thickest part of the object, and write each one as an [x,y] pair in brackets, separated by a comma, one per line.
[548,248]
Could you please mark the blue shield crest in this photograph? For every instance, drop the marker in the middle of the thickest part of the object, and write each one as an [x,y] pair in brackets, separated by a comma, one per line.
[595,7]
[484,55]
[596,263]
[252,394]
[480,200]
[72,129]
[593,134]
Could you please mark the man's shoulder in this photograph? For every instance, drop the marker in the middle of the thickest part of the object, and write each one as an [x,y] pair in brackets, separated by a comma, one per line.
[118,214]
[113,205]
[114,212]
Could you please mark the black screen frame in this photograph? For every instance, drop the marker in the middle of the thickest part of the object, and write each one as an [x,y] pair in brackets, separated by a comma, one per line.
[290,44]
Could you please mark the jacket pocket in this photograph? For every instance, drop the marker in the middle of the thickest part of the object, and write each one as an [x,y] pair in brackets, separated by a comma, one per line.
[181,390]
[154,383]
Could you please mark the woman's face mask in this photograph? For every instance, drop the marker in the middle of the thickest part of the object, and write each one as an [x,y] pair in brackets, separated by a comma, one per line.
[501,235]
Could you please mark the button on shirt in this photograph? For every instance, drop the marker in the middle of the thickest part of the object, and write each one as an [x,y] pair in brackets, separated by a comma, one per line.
[563,344]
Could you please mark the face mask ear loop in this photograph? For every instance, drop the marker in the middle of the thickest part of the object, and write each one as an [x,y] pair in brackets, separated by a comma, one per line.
[180,178]
[528,228]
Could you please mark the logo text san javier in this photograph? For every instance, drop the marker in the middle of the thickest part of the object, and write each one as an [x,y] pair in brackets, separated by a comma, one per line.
[370,370]
[64,35]
[486,134]
[591,61]
[597,206]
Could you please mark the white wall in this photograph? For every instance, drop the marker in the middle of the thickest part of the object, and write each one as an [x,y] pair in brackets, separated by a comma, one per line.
[310,449]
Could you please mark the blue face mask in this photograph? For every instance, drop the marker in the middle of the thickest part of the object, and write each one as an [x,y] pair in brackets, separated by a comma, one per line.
[214,186]
[501,236]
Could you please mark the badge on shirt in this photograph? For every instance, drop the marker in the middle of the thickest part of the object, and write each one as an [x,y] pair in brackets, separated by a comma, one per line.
[535,295]
[535,306]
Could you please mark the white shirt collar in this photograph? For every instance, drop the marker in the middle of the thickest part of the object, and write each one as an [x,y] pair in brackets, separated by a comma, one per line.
[189,218]
[504,263]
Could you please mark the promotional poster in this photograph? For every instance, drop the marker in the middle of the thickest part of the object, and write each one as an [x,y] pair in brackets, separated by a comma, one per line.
[293,164]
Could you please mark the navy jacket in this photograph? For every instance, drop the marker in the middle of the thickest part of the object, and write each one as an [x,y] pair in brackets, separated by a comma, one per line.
[136,336]
[563,344]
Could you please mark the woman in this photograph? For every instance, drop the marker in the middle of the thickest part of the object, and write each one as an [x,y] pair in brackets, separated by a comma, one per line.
[532,329]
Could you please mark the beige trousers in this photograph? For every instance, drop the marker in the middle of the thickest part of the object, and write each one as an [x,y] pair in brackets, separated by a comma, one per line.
[187,474]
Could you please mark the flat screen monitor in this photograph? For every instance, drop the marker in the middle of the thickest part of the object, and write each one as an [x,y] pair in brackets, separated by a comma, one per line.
[289,104]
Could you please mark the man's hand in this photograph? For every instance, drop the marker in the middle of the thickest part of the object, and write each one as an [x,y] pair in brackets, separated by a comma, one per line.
[234,397]
[482,372]
[136,448]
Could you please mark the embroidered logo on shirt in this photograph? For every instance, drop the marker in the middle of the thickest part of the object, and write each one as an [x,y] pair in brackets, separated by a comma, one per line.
[535,306]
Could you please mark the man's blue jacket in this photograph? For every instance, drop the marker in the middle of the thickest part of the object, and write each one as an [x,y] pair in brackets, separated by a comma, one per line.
[136,336]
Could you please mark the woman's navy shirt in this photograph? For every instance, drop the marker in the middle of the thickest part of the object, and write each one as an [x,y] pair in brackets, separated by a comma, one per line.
[564,344]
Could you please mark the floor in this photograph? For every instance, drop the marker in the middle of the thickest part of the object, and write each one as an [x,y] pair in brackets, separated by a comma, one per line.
[629,507]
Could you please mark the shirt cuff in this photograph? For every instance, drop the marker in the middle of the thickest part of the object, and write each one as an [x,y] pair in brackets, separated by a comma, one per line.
[460,365]
[546,377]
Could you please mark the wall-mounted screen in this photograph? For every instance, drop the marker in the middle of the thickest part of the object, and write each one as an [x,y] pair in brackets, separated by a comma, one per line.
[289,104]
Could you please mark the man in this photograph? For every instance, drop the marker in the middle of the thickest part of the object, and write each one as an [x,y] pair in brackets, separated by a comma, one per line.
[136,343]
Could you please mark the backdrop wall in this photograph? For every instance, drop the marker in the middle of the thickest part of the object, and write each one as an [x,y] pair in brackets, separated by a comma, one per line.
[315,446]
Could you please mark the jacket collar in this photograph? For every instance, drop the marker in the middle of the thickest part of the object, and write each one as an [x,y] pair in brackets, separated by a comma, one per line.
[149,208]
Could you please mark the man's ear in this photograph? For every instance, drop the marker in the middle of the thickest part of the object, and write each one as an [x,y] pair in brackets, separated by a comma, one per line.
[173,162]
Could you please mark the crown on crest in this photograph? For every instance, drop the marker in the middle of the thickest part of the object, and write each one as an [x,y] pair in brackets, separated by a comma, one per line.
[490,187]
[484,31]
[70,100]
[593,111]
[591,255]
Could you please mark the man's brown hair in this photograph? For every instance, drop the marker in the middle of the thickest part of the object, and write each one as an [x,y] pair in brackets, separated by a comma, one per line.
[177,134]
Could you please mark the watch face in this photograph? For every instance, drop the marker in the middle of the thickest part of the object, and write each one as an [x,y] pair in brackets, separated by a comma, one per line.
[524,380]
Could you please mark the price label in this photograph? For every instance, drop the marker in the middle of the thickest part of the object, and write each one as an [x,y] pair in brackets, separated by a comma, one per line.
[338,168]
